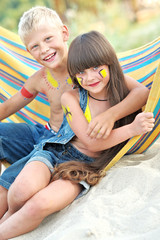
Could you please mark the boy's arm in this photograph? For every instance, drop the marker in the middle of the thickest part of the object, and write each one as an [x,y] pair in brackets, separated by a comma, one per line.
[79,125]
[13,104]
[101,125]
[19,100]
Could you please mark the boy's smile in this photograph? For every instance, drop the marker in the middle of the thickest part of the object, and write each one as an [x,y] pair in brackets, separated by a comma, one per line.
[48,45]
[50,57]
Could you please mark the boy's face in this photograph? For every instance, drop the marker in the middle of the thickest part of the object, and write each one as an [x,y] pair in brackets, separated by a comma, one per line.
[48,45]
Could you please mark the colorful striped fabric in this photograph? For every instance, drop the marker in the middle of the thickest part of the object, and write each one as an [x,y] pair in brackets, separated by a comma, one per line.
[16,65]
[144,65]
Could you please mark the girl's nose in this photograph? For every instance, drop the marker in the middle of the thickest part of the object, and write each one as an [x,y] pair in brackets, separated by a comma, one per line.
[89,76]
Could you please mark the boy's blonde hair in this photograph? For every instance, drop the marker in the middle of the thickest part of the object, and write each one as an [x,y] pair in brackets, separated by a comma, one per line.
[36,16]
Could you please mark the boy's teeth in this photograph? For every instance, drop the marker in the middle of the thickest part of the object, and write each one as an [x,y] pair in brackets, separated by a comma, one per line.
[47,58]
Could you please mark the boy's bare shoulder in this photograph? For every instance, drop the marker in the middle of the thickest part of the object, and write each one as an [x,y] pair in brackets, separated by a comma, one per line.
[38,75]
[34,81]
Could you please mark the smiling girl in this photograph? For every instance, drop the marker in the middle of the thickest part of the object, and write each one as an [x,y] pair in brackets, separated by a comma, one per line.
[95,70]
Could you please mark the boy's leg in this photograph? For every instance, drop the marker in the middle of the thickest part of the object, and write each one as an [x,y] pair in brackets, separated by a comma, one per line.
[3,201]
[56,196]
[16,141]
[32,135]
[10,174]
[33,177]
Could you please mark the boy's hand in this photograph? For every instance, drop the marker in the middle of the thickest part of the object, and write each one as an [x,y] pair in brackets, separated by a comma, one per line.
[144,122]
[101,125]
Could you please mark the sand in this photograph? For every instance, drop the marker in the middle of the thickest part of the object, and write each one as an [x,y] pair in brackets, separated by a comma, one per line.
[125,205]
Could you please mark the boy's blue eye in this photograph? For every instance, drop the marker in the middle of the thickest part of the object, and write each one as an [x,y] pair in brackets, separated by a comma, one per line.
[34,46]
[48,38]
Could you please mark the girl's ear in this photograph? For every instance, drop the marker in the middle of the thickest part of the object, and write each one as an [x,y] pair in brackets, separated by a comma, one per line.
[65,33]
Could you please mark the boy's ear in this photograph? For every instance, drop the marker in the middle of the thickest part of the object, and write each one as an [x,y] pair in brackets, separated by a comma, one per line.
[65,32]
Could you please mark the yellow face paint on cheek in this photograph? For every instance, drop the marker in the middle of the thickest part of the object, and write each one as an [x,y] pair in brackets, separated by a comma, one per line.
[80,80]
[103,73]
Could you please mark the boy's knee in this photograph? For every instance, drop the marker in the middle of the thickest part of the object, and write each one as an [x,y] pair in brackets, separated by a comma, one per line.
[3,193]
[19,193]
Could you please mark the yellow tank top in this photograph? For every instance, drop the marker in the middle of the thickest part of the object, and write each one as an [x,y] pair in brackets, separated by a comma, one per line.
[87,113]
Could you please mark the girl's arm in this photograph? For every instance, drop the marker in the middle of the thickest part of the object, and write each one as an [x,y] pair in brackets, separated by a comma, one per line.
[70,103]
[134,101]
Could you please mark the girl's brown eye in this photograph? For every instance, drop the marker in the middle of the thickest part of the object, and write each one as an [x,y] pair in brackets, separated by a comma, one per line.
[81,72]
[95,68]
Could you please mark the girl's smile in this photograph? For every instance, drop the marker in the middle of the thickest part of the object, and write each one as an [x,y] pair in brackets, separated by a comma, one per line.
[94,80]
[93,84]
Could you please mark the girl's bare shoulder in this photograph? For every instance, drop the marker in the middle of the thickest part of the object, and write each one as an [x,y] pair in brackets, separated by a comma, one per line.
[71,94]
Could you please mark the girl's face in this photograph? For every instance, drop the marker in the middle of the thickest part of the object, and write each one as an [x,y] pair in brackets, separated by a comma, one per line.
[94,79]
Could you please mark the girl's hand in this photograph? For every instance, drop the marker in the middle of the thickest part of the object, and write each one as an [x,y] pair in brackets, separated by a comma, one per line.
[143,123]
[101,125]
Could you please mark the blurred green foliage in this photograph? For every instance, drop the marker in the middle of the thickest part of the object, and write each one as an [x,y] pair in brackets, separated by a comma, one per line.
[126,23]
[11,11]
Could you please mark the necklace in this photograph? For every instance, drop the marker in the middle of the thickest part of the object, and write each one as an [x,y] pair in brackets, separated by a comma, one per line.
[101,100]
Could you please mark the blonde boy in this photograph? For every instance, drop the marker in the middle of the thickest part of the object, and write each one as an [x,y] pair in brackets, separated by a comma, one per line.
[45,37]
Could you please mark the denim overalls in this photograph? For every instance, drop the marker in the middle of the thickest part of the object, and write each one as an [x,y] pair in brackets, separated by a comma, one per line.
[62,150]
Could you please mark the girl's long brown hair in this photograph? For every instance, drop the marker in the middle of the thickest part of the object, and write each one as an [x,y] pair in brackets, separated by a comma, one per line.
[92,50]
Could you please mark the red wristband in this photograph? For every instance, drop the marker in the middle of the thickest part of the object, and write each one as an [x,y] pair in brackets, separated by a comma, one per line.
[25,93]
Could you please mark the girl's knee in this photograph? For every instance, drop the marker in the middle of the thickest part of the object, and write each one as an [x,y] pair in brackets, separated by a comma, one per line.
[37,208]
[52,199]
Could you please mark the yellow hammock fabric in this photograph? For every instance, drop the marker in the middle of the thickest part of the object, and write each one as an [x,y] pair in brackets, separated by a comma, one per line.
[152,103]
[16,65]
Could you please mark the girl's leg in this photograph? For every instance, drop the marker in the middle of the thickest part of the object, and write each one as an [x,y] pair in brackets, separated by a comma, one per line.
[3,201]
[56,196]
[33,177]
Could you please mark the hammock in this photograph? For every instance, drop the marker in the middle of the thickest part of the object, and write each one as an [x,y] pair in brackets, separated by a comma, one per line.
[16,65]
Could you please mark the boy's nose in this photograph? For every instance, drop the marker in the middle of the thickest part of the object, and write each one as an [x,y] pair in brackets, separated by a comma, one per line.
[44,48]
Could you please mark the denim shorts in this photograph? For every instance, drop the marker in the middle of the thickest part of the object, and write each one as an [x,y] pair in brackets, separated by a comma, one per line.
[53,154]
[17,140]
[17,146]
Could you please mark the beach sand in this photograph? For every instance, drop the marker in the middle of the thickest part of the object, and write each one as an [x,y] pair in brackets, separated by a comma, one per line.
[125,205]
